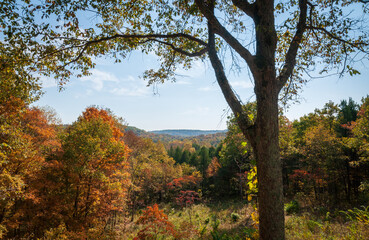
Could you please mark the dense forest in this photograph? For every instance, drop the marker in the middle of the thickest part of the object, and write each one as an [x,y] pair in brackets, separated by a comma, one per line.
[96,179]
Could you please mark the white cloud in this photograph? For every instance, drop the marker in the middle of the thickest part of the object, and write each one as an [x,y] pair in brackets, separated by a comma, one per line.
[98,78]
[242,84]
[109,83]
[197,70]
[48,82]
[131,87]
[130,78]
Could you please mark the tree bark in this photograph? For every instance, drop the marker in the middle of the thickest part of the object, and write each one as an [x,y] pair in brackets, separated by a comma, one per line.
[264,133]
[266,148]
[266,136]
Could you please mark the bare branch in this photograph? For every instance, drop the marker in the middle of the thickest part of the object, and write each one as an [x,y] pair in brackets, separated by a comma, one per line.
[290,61]
[331,35]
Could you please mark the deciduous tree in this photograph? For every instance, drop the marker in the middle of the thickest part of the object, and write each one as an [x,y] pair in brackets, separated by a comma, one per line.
[85,185]
[278,41]
[151,170]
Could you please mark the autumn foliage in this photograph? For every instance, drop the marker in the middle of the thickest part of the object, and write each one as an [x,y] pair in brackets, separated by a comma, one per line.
[188,181]
[90,180]
[77,178]
[155,224]
[95,172]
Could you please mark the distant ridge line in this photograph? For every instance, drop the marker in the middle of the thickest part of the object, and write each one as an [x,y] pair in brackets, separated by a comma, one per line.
[187,132]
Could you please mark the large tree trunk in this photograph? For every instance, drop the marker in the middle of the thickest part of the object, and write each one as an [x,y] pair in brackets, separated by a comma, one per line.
[266,148]
[266,135]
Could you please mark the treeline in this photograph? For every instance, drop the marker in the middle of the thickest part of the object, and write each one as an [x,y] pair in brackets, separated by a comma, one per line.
[53,180]
[325,155]
[174,141]
[83,181]
[91,179]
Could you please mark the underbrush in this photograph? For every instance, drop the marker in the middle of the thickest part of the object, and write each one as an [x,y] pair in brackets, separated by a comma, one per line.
[213,221]
[224,220]
[352,224]
[233,220]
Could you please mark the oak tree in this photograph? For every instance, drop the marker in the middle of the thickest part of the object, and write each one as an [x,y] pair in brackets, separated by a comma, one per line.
[278,41]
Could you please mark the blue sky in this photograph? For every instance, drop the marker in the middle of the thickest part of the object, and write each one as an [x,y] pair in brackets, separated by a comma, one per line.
[193,102]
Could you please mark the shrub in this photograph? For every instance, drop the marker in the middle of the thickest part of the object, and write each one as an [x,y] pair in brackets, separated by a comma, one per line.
[314,226]
[235,217]
[292,207]
[155,224]
[360,215]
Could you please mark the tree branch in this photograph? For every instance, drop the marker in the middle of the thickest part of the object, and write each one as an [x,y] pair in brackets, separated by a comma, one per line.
[227,36]
[181,51]
[151,36]
[245,6]
[290,61]
[85,44]
[354,45]
[244,122]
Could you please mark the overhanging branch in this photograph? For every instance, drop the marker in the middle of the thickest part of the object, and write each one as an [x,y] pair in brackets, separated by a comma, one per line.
[181,51]
[151,36]
[333,36]
[85,44]
[244,122]
[220,30]
[290,61]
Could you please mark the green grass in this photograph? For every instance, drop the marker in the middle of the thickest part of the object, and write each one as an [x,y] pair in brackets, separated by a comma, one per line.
[337,227]
[216,218]
[231,220]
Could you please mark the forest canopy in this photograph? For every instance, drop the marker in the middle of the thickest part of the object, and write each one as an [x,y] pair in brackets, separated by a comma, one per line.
[280,43]
[95,177]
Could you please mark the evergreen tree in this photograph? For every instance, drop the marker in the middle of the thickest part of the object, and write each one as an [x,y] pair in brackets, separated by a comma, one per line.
[171,152]
[185,157]
[177,154]
[347,114]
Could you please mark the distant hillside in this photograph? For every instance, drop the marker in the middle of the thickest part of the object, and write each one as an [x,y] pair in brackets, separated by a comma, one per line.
[187,132]
[137,131]
[177,136]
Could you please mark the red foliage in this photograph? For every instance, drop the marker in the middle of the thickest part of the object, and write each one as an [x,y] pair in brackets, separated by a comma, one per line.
[43,134]
[187,198]
[12,107]
[155,223]
[185,181]
[94,113]
[301,175]
[306,177]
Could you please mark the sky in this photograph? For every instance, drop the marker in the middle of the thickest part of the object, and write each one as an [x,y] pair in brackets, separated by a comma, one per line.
[194,101]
